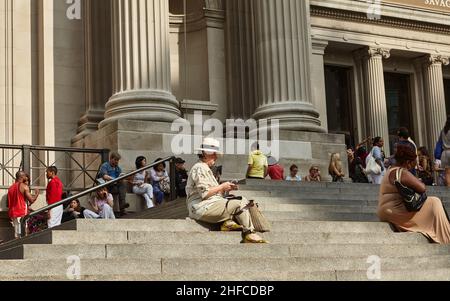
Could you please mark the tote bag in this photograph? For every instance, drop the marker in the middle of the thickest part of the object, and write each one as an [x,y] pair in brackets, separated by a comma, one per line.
[372,167]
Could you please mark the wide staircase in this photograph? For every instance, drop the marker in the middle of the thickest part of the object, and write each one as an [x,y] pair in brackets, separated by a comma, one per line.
[320,231]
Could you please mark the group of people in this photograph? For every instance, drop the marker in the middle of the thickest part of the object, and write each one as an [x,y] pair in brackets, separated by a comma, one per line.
[424,169]
[207,199]
[20,198]
[153,185]
[260,167]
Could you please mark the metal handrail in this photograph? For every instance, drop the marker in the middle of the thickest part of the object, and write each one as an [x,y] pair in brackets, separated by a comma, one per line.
[109,183]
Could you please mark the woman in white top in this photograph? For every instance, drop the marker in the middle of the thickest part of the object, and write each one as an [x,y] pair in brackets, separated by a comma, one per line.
[140,183]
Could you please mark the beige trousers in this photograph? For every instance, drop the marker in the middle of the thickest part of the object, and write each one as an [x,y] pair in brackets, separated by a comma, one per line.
[224,210]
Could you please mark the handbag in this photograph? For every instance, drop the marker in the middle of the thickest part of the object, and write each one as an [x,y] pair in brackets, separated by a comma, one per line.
[260,222]
[164,185]
[372,167]
[413,200]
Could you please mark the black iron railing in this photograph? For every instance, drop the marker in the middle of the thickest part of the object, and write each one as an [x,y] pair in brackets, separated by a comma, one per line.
[77,168]
[173,193]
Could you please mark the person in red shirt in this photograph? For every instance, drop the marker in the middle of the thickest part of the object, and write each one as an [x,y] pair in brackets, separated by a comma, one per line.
[54,195]
[18,195]
[276,171]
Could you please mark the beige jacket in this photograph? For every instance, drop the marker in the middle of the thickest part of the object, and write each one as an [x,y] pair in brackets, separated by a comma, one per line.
[200,181]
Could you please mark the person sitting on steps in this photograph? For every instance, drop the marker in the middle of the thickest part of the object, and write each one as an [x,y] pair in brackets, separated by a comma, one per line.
[206,202]
[431,220]
[161,182]
[110,171]
[102,205]
[140,183]
[314,175]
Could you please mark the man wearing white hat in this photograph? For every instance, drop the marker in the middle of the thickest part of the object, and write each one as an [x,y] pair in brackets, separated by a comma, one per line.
[206,200]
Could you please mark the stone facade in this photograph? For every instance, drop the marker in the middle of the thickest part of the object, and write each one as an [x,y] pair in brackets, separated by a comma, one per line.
[121,73]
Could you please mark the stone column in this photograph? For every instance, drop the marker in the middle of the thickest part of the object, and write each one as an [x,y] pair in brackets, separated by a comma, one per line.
[434,96]
[283,47]
[97,64]
[141,63]
[318,80]
[241,59]
[375,93]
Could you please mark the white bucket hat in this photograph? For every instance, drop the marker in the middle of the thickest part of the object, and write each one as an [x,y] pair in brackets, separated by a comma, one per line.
[210,146]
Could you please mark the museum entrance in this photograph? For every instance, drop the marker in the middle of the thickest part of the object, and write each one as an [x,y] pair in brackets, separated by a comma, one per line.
[447,94]
[339,102]
[399,105]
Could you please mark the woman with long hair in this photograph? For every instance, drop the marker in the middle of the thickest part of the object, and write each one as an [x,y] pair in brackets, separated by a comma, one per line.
[425,167]
[431,220]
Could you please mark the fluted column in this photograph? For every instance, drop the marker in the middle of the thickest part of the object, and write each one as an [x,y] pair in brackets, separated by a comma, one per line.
[319,95]
[97,64]
[283,46]
[375,93]
[241,59]
[435,96]
[141,63]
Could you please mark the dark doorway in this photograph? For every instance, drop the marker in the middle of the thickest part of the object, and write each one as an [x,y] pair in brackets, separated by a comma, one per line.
[399,107]
[447,94]
[339,104]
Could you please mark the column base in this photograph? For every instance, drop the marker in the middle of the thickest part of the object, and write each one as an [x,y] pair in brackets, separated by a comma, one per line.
[144,105]
[88,124]
[292,116]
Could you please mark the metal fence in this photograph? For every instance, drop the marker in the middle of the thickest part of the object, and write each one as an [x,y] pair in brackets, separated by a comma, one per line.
[77,168]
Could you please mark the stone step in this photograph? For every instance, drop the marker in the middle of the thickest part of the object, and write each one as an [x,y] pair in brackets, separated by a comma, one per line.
[267,206]
[257,266]
[276,238]
[93,267]
[150,225]
[321,215]
[158,251]
[300,195]
[192,226]
[6,233]
[324,196]
[123,237]
[323,185]
[438,274]
[97,268]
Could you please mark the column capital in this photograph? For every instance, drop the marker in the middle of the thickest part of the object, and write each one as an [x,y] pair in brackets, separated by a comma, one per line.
[432,59]
[373,52]
[438,59]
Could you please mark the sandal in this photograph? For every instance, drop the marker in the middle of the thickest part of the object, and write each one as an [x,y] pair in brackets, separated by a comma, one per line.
[249,240]
[230,226]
